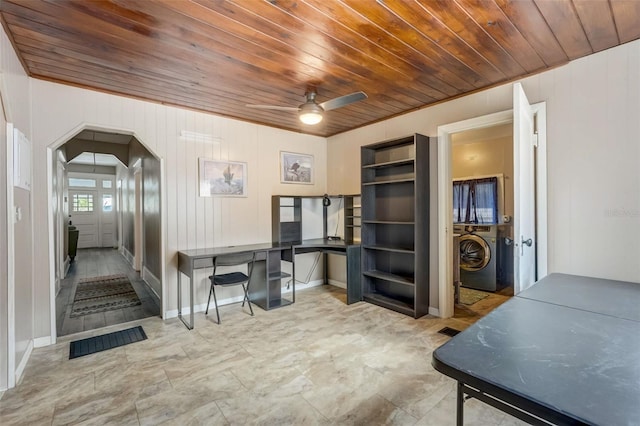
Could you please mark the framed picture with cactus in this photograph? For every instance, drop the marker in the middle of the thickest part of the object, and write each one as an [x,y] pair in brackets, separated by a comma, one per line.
[296,168]
[222,178]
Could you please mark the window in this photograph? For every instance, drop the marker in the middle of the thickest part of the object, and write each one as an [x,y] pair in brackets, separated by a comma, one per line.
[475,200]
[83,183]
[82,202]
[107,202]
[107,184]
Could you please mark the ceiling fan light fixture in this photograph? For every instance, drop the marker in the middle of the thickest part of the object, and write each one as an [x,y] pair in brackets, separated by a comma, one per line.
[310,113]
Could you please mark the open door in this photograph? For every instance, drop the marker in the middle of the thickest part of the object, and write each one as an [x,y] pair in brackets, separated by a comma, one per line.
[524,224]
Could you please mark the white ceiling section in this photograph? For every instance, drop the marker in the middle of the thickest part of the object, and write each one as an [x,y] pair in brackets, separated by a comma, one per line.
[98,160]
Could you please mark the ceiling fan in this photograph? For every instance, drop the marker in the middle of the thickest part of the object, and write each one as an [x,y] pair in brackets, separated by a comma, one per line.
[312,112]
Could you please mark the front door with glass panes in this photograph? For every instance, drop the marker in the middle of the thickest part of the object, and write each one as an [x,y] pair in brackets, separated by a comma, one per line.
[92,209]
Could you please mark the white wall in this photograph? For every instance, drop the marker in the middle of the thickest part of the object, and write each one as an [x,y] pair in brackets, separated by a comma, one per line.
[191,221]
[486,158]
[15,88]
[593,105]
[593,134]
[4,253]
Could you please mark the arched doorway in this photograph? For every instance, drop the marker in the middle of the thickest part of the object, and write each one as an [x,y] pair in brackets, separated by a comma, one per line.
[114,201]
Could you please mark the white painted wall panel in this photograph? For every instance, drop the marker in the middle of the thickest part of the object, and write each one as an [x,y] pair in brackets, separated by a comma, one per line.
[191,221]
[16,98]
[4,254]
[593,105]
[594,212]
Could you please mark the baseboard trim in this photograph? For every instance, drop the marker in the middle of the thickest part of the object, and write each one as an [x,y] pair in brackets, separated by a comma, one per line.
[434,311]
[299,286]
[151,281]
[23,362]
[229,300]
[339,284]
[127,255]
[41,342]
[203,306]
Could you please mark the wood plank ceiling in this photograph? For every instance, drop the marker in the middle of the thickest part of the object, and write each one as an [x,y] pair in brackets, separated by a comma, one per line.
[217,56]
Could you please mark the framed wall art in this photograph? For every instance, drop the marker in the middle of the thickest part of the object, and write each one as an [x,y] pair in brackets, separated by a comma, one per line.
[222,178]
[296,168]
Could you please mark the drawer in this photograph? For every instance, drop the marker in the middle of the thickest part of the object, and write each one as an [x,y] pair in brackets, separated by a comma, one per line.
[206,262]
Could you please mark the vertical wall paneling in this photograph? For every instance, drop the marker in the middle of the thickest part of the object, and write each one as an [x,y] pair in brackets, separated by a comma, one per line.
[4,254]
[15,91]
[592,155]
[604,81]
[191,221]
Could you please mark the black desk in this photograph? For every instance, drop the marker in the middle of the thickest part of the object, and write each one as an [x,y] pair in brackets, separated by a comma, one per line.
[341,247]
[265,288]
[565,351]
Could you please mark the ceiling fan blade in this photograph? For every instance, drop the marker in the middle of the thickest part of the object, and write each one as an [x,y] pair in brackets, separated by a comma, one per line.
[275,107]
[343,101]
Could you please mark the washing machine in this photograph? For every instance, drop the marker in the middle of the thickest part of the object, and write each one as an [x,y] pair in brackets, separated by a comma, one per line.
[478,256]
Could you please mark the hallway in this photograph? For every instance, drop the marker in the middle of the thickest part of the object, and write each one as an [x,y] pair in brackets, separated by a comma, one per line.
[94,263]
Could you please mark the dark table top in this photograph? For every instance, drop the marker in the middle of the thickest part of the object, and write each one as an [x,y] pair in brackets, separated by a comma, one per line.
[608,297]
[324,243]
[562,360]
[217,251]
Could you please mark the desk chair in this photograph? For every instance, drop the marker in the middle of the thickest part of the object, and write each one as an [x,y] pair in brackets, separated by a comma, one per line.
[232,278]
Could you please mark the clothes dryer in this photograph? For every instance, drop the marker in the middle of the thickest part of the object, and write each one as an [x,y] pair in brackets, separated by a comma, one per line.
[478,256]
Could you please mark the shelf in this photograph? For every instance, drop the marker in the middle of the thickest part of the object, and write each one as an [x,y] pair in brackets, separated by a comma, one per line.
[389,249]
[353,217]
[389,277]
[402,162]
[353,226]
[389,303]
[384,182]
[278,303]
[278,276]
[388,222]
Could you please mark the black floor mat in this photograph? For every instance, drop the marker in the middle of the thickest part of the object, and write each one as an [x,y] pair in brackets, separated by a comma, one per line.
[449,331]
[95,344]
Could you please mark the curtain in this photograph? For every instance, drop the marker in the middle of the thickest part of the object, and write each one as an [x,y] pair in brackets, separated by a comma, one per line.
[475,200]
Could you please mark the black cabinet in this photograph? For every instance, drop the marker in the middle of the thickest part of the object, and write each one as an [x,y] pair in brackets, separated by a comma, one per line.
[395,224]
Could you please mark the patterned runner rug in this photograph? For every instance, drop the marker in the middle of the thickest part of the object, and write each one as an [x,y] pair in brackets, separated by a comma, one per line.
[102,294]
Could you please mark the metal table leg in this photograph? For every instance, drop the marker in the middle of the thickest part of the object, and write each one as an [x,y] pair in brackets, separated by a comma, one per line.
[190,324]
[460,406]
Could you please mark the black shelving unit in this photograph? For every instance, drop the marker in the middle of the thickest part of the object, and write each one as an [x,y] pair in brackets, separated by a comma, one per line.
[395,224]
[352,218]
[286,223]
[266,292]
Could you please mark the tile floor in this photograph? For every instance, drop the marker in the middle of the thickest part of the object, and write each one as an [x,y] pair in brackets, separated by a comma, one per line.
[94,263]
[318,361]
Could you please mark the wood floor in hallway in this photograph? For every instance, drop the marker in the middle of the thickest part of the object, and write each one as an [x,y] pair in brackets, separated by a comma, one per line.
[98,262]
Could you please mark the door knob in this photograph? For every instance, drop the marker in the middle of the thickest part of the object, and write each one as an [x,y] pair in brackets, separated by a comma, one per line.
[527,243]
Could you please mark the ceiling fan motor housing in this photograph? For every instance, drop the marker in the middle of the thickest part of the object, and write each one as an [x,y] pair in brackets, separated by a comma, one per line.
[310,113]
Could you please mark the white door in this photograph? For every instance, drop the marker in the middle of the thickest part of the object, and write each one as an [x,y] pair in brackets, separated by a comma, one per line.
[524,191]
[84,212]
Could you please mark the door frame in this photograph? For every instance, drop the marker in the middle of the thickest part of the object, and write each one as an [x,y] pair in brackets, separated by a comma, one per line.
[51,148]
[138,219]
[445,202]
[11,276]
